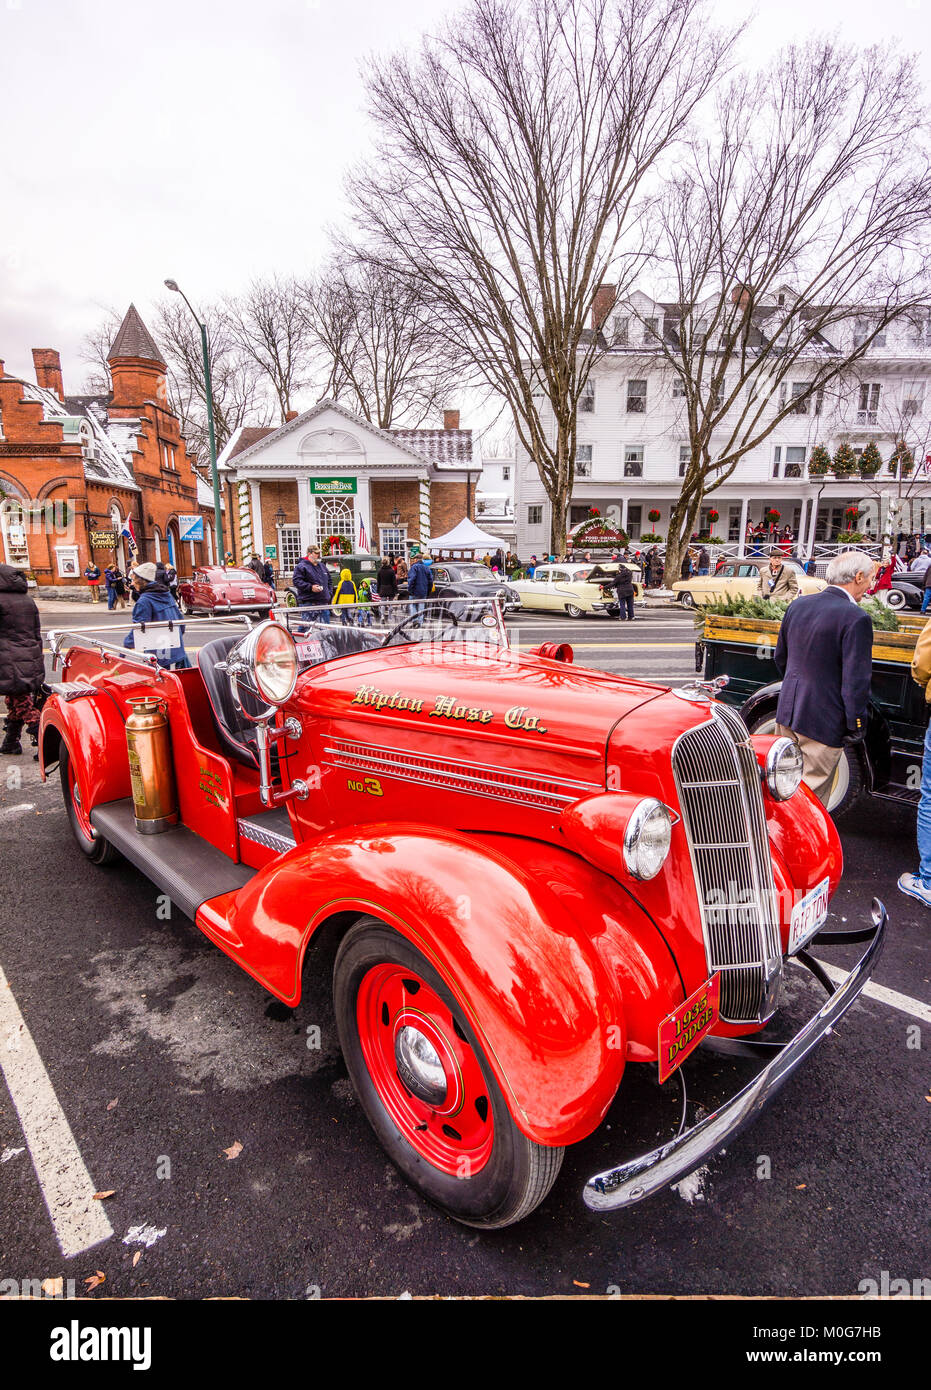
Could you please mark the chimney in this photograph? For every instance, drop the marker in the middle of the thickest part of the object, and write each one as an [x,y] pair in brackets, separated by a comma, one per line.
[740,295]
[450,419]
[48,370]
[290,415]
[603,303]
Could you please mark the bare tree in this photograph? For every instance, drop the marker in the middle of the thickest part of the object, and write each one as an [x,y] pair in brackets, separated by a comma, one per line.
[269,327]
[237,388]
[386,352]
[803,210]
[510,173]
[95,347]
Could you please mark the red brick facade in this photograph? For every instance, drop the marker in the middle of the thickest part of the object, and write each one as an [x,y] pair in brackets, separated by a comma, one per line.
[74,465]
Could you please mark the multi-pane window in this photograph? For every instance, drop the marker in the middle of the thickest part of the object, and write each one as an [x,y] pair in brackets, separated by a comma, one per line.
[650,330]
[636,397]
[620,334]
[634,522]
[506,474]
[587,398]
[862,331]
[334,518]
[685,454]
[633,461]
[583,461]
[535,516]
[868,412]
[392,540]
[789,461]
[797,406]
[290,548]
[913,398]
[678,389]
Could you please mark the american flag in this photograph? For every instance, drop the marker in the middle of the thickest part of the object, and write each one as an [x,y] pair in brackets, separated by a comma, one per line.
[130,535]
[363,539]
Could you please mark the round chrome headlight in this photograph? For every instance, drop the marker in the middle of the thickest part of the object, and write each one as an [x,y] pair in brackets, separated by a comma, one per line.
[267,660]
[784,768]
[647,838]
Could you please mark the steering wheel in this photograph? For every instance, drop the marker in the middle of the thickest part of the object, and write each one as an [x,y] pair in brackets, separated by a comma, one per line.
[415,618]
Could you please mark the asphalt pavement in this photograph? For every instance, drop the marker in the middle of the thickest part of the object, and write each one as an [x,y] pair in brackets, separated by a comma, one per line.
[225,1130]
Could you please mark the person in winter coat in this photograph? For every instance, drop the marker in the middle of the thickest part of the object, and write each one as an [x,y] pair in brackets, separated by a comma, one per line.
[92,575]
[116,587]
[312,583]
[624,587]
[257,567]
[268,574]
[22,665]
[345,593]
[419,584]
[777,580]
[402,569]
[386,581]
[154,604]
[704,561]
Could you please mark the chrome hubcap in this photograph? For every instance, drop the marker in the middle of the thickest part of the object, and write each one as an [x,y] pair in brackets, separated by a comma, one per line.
[419,1066]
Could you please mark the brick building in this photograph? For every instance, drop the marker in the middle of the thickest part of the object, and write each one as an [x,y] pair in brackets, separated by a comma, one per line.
[329,472]
[75,469]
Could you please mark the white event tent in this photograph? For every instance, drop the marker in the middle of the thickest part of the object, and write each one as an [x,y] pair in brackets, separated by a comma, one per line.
[465,538]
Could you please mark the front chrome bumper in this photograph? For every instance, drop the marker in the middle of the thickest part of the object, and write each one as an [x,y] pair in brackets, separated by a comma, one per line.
[643,1176]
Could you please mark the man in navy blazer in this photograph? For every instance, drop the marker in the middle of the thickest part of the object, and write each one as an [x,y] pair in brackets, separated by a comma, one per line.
[825,657]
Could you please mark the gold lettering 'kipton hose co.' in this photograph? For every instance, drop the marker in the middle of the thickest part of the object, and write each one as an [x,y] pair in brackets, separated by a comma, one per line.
[151,771]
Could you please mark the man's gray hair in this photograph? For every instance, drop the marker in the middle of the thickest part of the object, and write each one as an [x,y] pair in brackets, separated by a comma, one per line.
[845,567]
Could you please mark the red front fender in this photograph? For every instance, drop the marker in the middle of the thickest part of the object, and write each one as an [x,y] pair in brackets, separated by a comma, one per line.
[554,965]
[91,727]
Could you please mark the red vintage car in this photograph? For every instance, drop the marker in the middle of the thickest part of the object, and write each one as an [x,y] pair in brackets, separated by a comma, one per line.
[218,590]
[531,876]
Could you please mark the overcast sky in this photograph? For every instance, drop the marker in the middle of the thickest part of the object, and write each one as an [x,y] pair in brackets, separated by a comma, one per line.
[207,139]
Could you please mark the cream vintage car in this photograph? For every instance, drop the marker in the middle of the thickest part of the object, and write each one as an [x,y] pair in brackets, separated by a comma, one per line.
[737,579]
[575,589]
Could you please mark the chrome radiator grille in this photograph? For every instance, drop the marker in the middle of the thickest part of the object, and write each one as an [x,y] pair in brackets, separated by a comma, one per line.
[718,780]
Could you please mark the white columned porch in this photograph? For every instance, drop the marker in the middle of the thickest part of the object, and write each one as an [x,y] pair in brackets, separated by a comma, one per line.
[744,510]
[802,520]
[812,526]
[624,502]
[258,536]
[361,512]
[306,514]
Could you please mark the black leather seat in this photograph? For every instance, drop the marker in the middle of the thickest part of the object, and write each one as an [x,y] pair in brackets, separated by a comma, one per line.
[339,639]
[236,732]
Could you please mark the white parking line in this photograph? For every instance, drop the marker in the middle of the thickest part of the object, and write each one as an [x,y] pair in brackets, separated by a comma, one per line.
[903,1002]
[66,1185]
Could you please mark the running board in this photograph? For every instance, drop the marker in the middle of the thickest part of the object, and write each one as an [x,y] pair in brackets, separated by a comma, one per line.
[180,863]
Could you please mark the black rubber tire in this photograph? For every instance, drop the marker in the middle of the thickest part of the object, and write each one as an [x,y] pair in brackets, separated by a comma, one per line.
[518,1174]
[849,782]
[573,611]
[98,850]
[896,600]
[686,599]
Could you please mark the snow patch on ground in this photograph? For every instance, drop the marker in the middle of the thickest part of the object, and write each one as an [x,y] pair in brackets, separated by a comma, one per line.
[691,1188]
[212,1032]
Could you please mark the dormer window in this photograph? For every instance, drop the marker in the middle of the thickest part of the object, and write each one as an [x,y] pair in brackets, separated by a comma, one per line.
[620,331]
[862,331]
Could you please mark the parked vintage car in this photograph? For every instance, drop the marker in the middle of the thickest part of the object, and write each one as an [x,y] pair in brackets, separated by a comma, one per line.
[458,579]
[531,876]
[574,589]
[220,590]
[735,579]
[887,764]
[908,589]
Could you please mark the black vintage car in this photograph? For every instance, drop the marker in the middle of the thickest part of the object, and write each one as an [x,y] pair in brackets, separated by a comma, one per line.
[908,589]
[466,579]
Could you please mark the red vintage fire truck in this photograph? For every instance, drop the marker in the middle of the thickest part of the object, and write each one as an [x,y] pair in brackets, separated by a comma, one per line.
[532,875]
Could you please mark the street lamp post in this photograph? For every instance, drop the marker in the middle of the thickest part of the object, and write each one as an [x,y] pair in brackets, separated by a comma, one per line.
[217,514]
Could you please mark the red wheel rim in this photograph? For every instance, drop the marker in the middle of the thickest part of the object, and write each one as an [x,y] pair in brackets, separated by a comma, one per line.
[455,1131]
[84,825]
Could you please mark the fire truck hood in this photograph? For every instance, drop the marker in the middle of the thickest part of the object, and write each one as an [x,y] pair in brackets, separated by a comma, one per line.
[488,705]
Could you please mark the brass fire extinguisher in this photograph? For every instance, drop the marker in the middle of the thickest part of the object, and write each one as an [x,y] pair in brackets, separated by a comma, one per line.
[151,771]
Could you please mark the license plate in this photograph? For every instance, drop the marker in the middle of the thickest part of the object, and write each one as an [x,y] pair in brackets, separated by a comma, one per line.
[682,1030]
[808,916]
[248,593]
